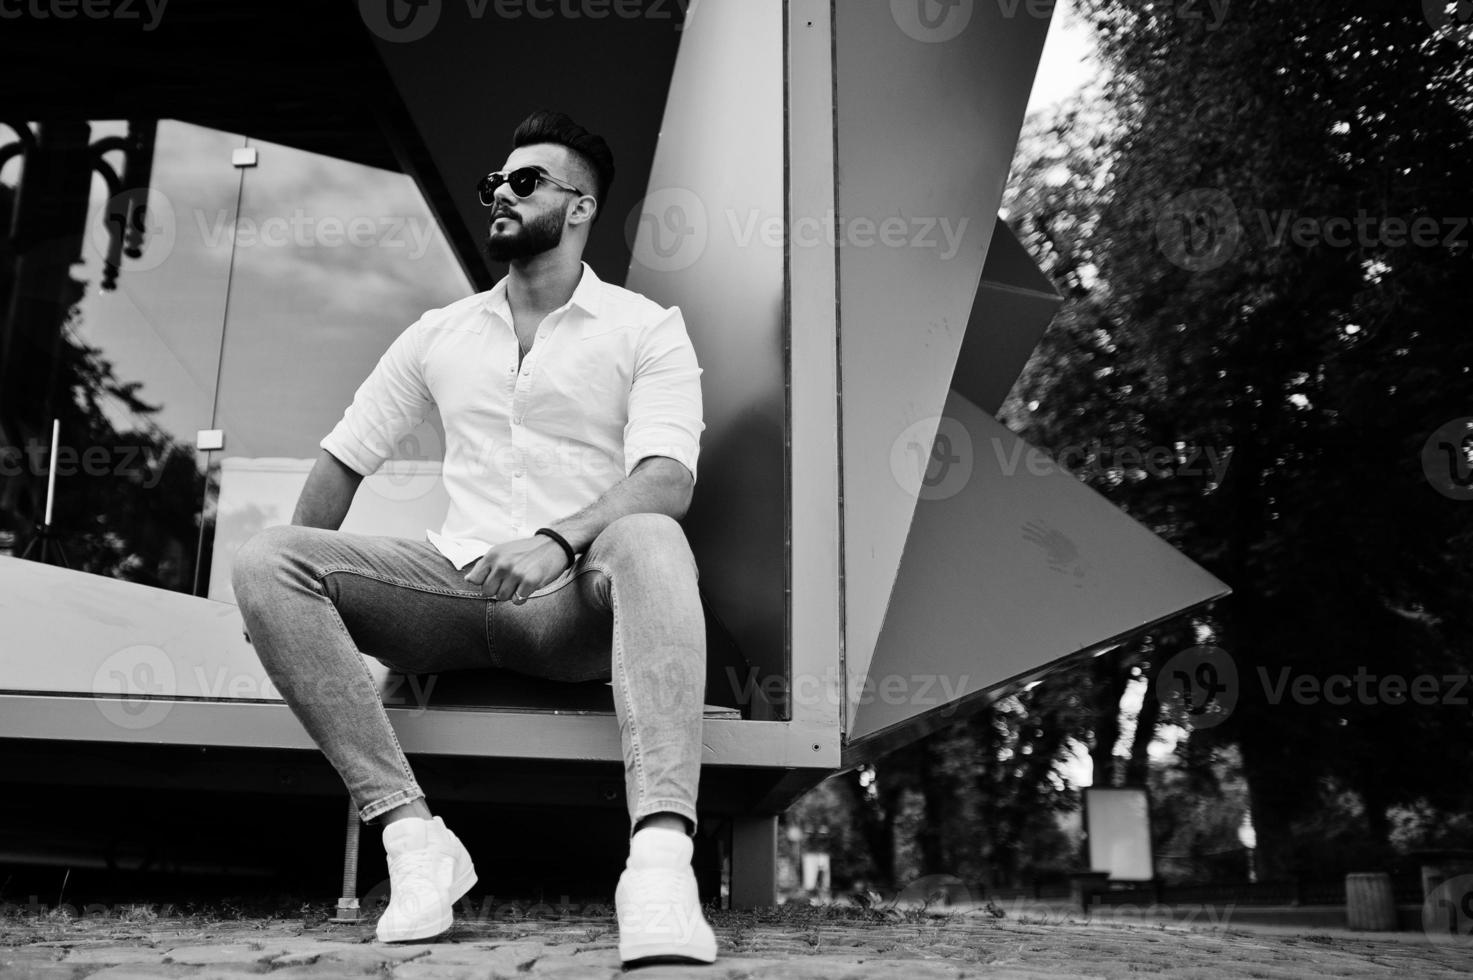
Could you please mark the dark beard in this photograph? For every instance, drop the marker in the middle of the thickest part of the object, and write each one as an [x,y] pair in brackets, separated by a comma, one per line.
[534,237]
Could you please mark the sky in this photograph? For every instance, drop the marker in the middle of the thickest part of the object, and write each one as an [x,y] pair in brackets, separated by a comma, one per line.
[1065,67]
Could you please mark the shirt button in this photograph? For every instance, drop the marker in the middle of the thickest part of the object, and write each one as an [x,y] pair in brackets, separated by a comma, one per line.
[517,473]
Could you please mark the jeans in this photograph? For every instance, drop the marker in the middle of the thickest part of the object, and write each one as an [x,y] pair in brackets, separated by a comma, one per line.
[315,601]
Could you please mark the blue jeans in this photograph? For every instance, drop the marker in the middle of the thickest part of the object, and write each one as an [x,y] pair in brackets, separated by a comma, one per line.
[315,602]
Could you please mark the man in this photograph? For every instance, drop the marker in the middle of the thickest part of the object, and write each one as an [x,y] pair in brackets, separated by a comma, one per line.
[572,414]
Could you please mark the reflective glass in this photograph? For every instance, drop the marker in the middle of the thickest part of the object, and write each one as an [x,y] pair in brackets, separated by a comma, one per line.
[112,301]
[333,260]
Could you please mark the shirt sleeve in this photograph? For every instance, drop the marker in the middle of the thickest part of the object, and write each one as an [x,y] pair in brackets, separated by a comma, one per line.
[388,405]
[665,411]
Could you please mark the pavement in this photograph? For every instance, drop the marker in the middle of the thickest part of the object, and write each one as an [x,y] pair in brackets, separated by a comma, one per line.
[814,943]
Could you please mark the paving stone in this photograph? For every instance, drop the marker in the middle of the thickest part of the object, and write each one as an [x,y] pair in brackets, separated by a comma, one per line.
[141,971]
[302,958]
[205,955]
[454,954]
[725,968]
[40,971]
[599,956]
[440,971]
[20,956]
[327,971]
[564,967]
[512,958]
[114,954]
[374,954]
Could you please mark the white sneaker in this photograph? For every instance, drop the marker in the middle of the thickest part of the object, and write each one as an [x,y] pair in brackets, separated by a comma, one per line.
[429,869]
[657,903]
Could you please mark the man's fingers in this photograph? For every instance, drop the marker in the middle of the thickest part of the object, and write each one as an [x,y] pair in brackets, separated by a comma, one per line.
[481,569]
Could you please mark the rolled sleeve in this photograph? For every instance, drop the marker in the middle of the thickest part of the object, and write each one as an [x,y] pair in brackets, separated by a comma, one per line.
[390,402]
[665,410]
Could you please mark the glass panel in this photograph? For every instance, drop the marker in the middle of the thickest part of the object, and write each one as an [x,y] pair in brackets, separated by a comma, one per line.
[112,297]
[333,261]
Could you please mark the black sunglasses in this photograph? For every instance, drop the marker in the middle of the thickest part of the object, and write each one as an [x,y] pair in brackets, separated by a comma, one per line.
[523,181]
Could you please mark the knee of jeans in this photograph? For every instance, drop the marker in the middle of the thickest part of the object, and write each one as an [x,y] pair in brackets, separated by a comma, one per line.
[641,534]
[261,552]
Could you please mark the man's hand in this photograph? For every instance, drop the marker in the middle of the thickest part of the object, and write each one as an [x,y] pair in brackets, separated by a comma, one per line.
[516,569]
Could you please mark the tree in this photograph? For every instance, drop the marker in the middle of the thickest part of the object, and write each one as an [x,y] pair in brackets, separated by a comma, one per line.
[1208,308]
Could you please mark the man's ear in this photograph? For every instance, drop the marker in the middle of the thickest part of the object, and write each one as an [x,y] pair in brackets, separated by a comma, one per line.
[583,211]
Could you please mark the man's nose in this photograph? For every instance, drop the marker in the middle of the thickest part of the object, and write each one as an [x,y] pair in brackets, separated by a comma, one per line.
[503,194]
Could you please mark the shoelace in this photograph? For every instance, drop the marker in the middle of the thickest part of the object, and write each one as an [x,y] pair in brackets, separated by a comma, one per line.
[419,863]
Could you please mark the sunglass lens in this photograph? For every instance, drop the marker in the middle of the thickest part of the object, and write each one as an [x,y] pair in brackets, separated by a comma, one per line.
[523,182]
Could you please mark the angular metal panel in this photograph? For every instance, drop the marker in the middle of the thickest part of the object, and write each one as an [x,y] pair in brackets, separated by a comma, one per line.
[1014,305]
[717,175]
[68,631]
[1011,564]
[924,149]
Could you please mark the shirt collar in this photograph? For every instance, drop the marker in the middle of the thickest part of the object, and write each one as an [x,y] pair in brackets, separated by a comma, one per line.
[587,296]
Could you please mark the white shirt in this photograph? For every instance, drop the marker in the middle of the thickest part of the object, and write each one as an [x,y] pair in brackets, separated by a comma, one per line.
[611,378]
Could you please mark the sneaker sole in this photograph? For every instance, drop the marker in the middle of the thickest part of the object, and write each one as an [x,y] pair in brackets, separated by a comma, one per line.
[650,953]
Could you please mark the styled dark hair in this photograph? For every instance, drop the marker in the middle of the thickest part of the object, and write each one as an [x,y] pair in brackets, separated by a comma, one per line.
[545,126]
